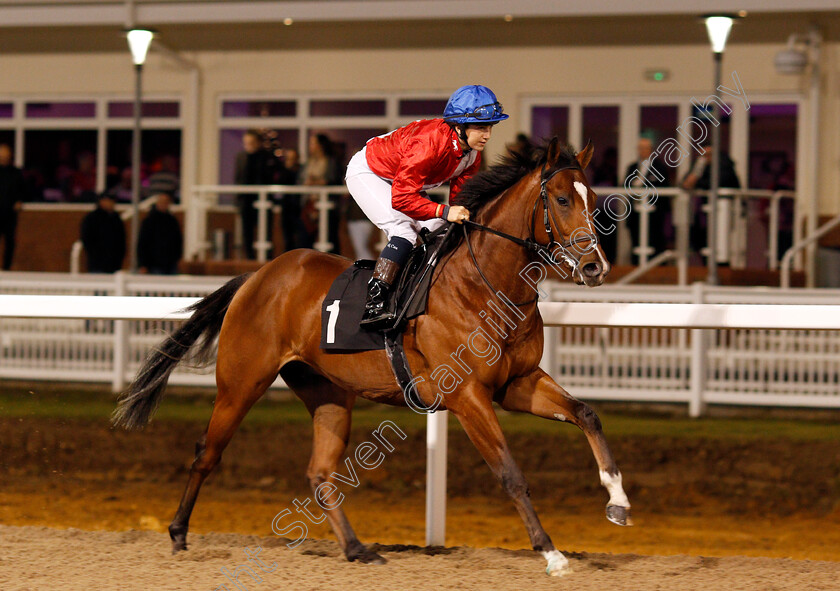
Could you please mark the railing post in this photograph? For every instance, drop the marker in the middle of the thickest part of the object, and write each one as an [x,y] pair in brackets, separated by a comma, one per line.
[682,223]
[696,405]
[773,247]
[436,442]
[120,338]
[324,206]
[644,249]
[262,245]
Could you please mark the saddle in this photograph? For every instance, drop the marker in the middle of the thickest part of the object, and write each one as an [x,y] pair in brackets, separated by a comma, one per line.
[342,309]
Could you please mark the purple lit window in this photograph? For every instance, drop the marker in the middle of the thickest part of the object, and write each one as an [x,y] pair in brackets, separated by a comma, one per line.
[422,107]
[60,110]
[6,110]
[546,122]
[259,109]
[345,108]
[152,109]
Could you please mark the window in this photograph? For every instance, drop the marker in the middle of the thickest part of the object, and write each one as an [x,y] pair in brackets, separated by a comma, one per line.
[60,165]
[62,149]
[61,110]
[230,145]
[160,151]
[259,109]
[149,109]
[600,125]
[286,123]
[772,146]
[346,108]
[658,122]
[547,122]
[422,107]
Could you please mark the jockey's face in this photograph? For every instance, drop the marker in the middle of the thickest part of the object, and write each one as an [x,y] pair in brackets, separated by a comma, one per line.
[478,136]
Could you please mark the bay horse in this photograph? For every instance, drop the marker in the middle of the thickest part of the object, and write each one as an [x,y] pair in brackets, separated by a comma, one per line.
[269,323]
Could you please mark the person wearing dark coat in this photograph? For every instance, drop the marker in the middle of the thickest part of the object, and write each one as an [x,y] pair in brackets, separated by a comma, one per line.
[700,179]
[642,175]
[103,236]
[12,193]
[254,166]
[160,244]
[291,216]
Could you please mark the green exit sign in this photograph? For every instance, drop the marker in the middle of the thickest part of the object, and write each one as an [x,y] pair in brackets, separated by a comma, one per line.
[657,75]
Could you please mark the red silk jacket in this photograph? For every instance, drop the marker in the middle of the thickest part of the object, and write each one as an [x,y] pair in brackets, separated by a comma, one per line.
[422,155]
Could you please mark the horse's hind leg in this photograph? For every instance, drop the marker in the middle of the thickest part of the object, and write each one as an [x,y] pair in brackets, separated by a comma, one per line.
[540,395]
[239,388]
[330,408]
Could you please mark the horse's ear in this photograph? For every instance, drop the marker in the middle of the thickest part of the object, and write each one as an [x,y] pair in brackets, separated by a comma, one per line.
[584,156]
[553,152]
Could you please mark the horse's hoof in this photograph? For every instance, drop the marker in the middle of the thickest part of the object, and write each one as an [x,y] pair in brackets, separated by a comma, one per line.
[368,557]
[558,565]
[619,515]
[179,544]
[358,551]
[179,539]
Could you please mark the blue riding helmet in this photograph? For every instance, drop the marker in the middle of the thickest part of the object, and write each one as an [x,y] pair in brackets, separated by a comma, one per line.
[474,104]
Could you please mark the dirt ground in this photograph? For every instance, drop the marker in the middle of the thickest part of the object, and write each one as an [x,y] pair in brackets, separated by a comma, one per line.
[730,501]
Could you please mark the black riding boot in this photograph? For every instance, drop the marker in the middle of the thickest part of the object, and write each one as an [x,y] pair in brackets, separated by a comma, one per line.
[377,315]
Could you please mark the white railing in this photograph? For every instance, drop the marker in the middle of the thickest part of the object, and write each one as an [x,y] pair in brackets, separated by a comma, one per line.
[733,226]
[724,363]
[206,200]
[730,362]
[800,244]
[82,347]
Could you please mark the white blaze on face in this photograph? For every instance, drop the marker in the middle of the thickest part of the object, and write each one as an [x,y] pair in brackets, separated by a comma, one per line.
[613,485]
[584,195]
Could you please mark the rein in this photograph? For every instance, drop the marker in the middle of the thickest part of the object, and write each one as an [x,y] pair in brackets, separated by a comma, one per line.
[545,250]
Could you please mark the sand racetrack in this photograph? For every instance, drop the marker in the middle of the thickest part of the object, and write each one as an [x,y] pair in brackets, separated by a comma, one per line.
[84,507]
[38,559]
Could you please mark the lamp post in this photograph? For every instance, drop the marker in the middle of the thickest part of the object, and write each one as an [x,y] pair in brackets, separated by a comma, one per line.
[138,42]
[718,27]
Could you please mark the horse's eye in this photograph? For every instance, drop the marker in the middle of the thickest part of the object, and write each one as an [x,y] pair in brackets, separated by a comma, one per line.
[562,201]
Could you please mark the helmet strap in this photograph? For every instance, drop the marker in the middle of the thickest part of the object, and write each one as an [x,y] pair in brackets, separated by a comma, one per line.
[462,133]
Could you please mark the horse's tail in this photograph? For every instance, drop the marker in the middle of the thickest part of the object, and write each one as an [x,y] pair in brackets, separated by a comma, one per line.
[139,402]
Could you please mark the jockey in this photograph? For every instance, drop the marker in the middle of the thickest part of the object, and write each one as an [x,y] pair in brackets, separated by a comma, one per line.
[389,176]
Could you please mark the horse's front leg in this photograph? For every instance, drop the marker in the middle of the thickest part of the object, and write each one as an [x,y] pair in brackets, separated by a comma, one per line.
[540,395]
[474,410]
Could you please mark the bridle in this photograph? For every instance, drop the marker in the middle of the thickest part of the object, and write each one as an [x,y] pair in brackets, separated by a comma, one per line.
[546,251]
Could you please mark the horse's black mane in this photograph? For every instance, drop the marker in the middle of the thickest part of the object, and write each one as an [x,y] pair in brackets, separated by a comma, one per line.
[505,173]
[479,190]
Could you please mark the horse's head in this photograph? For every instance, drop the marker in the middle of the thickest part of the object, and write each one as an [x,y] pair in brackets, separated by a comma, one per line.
[562,215]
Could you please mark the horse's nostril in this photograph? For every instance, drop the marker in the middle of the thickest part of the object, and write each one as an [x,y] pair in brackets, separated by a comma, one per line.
[592,269]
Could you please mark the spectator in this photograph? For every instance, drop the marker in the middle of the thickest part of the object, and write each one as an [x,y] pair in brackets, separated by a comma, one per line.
[166,179]
[643,174]
[12,193]
[700,179]
[84,179]
[294,231]
[605,173]
[322,169]
[121,192]
[103,236]
[160,245]
[522,144]
[254,166]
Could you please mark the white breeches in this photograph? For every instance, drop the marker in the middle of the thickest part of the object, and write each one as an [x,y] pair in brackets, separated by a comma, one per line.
[373,195]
